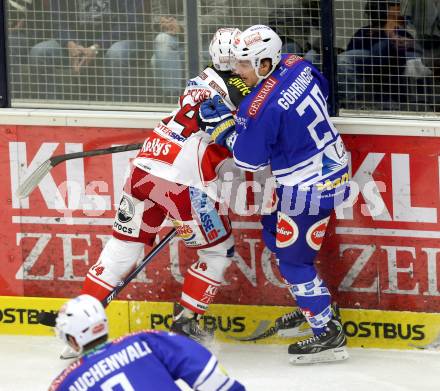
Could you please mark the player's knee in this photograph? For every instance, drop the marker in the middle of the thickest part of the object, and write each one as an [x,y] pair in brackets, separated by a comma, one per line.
[214,261]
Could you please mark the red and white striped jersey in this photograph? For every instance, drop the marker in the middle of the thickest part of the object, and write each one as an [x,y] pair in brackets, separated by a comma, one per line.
[176,149]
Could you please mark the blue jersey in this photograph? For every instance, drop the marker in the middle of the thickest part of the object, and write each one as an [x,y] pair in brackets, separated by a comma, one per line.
[284,123]
[147,360]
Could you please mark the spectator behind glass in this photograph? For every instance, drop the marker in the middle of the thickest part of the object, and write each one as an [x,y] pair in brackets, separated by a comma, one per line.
[168,60]
[385,50]
[424,15]
[90,35]
[288,23]
[25,29]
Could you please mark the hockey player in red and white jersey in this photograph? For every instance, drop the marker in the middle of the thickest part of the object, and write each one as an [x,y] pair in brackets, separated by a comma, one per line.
[175,176]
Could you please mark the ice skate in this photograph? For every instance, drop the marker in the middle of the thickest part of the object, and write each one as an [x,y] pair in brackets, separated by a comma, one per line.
[292,324]
[186,322]
[288,324]
[326,347]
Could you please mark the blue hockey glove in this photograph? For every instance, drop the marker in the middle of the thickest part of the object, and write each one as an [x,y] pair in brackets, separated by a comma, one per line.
[224,133]
[212,112]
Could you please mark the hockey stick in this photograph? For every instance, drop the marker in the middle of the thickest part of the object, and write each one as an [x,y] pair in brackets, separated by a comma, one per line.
[49,318]
[36,177]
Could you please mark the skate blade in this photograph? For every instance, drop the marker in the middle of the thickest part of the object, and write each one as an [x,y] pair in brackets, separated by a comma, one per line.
[337,354]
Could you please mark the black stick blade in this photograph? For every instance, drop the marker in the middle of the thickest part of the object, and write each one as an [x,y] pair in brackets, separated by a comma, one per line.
[47,318]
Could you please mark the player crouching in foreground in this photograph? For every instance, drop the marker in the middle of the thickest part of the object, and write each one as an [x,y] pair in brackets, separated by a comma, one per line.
[146,360]
[283,123]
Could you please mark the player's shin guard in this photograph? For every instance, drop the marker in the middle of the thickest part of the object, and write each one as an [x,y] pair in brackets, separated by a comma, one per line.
[117,259]
[204,277]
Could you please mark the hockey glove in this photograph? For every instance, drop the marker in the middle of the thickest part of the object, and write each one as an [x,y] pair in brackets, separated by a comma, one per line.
[224,133]
[212,112]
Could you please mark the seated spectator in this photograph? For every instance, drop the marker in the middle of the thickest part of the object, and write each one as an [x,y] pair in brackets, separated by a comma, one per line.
[380,58]
[298,25]
[168,60]
[424,16]
[285,24]
[89,36]
[25,29]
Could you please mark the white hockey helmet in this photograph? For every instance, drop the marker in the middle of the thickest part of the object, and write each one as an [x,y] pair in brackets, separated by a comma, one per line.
[83,318]
[220,48]
[255,44]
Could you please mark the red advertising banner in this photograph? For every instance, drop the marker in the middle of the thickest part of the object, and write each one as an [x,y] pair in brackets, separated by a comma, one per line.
[379,253]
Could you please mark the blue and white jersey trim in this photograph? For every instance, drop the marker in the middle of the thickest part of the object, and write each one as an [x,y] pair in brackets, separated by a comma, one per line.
[250,167]
[314,169]
[213,378]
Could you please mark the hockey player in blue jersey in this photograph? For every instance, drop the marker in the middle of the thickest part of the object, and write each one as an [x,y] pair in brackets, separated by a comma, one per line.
[146,360]
[283,123]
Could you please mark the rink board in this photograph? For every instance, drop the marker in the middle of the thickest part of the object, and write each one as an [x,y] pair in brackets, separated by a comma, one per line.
[232,323]
[381,254]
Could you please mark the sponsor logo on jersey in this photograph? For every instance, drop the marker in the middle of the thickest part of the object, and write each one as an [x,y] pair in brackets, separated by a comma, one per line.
[287,231]
[217,88]
[240,85]
[307,312]
[121,228]
[159,148]
[241,121]
[259,99]
[197,94]
[253,39]
[169,133]
[315,234]
[209,294]
[203,75]
[330,185]
[210,220]
[184,231]
[292,60]
[125,210]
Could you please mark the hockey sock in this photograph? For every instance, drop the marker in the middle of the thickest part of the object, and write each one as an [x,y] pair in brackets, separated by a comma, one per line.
[311,294]
[313,298]
[117,259]
[198,290]
[96,290]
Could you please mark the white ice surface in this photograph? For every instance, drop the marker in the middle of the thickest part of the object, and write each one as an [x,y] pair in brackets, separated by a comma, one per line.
[30,363]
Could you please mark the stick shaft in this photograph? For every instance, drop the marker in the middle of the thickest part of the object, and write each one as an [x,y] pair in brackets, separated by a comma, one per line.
[94,152]
[145,261]
[49,318]
[30,183]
